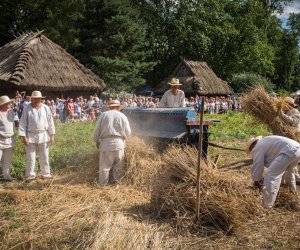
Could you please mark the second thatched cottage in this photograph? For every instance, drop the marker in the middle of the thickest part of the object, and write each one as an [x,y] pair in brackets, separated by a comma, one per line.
[197,78]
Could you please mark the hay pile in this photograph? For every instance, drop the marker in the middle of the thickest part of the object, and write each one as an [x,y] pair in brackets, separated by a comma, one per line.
[267,110]
[227,201]
[143,162]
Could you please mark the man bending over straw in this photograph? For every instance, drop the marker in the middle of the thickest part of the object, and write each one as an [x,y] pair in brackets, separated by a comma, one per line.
[279,155]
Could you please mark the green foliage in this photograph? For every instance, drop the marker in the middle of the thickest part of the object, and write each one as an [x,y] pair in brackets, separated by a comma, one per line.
[114,43]
[130,42]
[242,82]
[287,60]
[57,18]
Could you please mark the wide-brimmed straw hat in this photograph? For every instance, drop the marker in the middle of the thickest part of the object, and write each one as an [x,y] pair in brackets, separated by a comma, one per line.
[250,142]
[4,99]
[37,94]
[174,82]
[115,103]
[290,101]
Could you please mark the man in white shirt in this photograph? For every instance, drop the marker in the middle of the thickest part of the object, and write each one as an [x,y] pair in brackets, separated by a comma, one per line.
[174,97]
[6,136]
[37,129]
[280,155]
[291,116]
[112,129]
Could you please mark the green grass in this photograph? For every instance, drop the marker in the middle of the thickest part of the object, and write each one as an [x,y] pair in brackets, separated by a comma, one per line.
[73,146]
[235,125]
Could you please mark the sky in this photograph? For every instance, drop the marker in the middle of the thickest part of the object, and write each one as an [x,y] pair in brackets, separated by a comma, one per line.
[289,8]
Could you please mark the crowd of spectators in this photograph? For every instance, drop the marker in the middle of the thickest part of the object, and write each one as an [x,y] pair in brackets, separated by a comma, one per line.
[81,109]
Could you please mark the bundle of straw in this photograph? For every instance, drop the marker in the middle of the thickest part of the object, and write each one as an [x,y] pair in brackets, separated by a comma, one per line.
[226,200]
[143,162]
[267,110]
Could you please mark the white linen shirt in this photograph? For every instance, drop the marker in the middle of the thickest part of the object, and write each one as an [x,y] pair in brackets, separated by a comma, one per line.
[112,129]
[267,149]
[169,100]
[37,124]
[7,129]
[292,117]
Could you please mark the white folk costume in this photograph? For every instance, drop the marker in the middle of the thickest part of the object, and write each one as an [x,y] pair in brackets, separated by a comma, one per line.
[6,141]
[279,155]
[112,129]
[292,117]
[37,125]
[169,100]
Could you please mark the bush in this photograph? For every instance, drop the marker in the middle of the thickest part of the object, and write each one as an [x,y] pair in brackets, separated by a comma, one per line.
[243,81]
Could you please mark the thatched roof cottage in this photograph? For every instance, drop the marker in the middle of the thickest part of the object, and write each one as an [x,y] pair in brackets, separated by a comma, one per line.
[197,78]
[34,62]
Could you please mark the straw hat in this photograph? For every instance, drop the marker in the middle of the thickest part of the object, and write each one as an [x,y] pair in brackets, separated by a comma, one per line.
[4,99]
[251,141]
[37,94]
[174,81]
[290,100]
[114,103]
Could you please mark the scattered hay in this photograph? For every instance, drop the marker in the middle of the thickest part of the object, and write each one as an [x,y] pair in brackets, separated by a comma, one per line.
[115,231]
[11,196]
[59,216]
[143,162]
[226,201]
[267,110]
[288,200]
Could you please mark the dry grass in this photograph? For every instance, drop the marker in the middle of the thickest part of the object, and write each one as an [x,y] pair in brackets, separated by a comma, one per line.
[71,212]
[267,109]
[116,231]
[227,201]
[143,163]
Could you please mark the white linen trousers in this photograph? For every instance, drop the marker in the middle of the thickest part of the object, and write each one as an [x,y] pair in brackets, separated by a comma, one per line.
[273,175]
[43,152]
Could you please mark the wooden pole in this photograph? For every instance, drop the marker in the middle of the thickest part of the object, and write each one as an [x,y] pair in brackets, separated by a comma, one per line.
[199,157]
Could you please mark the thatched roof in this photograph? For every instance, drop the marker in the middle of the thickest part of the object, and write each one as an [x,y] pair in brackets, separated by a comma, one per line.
[32,61]
[197,78]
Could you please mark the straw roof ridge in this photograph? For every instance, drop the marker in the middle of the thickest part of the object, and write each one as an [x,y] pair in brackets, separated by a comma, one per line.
[206,82]
[197,78]
[33,60]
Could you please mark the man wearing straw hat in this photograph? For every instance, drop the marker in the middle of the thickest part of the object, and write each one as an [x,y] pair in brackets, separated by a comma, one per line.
[37,129]
[291,116]
[174,97]
[112,129]
[279,155]
[6,136]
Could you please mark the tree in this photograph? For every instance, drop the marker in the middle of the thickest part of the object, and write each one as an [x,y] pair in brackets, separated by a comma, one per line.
[56,18]
[114,43]
[288,54]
